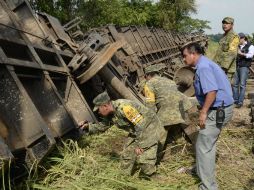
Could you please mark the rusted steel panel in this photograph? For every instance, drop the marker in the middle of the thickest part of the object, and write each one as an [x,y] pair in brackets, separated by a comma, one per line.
[16,108]
[39,99]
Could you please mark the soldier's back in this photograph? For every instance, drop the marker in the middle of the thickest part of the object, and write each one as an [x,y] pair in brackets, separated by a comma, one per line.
[161,87]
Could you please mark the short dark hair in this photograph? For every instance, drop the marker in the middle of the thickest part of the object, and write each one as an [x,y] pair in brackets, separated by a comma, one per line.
[245,38]
[194,48]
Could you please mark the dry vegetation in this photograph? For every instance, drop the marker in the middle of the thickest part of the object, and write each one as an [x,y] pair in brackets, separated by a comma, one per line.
[93,163]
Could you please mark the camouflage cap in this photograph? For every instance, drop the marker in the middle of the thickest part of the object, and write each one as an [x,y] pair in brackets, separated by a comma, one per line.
[101,99]
[228,20]
[154,68]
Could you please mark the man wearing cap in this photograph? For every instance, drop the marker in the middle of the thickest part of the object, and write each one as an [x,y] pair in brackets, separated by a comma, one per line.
[162,96]
[140,151]
[227,51]
[243,62]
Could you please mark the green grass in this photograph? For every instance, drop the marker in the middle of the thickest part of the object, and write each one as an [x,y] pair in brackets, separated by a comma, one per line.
[93,163]
[211,50]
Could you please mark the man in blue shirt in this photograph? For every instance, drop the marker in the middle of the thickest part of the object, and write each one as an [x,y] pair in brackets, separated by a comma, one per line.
[212,90]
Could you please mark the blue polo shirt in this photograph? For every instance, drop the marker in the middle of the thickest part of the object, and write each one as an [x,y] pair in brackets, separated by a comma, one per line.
[210,77]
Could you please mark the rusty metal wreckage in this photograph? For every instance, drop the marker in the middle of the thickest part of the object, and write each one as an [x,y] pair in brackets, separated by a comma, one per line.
[49,74]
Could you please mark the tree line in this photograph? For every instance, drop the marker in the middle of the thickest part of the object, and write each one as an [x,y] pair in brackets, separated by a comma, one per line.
[217,37]
[167,14]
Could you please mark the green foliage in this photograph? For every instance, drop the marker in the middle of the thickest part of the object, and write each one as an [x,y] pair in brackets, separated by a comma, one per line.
[212,48]
[251,38]
[189,24]
[215,37]
[168,14]
[173,12]
[64,10]
[121,12]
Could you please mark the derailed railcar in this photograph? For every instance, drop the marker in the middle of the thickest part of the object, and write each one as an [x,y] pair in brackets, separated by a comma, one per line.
[49,74]
[139,46]
[39,99]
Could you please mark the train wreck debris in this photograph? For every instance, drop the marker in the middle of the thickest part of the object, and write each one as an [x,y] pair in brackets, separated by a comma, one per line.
[41,60]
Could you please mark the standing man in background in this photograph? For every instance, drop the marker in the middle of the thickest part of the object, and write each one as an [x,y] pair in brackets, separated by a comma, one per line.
[226,53]
[213,91]
[243,62]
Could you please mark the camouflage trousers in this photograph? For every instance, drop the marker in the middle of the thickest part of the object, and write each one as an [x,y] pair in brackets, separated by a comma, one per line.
[146,162]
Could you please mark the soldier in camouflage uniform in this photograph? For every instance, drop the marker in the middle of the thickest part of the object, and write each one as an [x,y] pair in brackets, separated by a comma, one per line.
[140,151]
[226,53]
[162,95]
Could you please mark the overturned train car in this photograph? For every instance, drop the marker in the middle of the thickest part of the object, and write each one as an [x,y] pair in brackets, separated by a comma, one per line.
[49,74]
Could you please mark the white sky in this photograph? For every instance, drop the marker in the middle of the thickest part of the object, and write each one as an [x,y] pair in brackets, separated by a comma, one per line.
[215,10]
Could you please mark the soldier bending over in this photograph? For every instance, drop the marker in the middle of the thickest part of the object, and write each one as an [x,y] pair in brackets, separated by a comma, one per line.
[140,151]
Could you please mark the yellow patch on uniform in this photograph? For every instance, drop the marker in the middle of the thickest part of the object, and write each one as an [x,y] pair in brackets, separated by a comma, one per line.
[234,44]
[149,94]
[132,114]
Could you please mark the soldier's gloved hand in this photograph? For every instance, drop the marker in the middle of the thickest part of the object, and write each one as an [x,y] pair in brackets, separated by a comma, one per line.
[139,151]
[83,126]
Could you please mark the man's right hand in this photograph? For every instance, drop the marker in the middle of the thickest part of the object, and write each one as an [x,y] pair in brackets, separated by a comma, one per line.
[83,125]
[139,151]
[202,119]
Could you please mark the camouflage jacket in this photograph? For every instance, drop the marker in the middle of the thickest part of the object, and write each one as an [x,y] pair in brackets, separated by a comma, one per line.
[142,124]
[162,94]
[227,51]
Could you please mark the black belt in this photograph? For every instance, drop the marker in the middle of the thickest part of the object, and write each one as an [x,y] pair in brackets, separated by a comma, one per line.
[215,108]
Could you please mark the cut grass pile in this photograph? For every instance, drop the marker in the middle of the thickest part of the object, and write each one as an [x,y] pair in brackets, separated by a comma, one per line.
[93,163]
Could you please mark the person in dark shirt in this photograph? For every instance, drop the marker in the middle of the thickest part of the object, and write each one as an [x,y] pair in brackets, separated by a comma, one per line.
[243,62]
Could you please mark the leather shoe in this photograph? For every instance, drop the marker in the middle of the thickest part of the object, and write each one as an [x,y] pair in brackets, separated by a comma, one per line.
[238,105]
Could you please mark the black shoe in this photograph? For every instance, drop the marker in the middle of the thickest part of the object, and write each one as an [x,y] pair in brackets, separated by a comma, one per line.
[238,105]
[192,171]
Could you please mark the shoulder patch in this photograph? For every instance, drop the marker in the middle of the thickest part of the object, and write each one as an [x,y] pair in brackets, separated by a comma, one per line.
[234,44]
[149,94]
[132,114]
